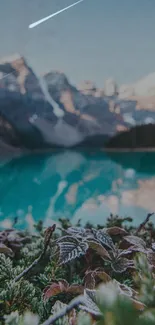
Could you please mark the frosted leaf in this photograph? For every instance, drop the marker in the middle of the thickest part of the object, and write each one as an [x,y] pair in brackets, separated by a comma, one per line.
[105,239]
[5,250]
[121,265]
[99,249]
[76,230]
[90,302]
[71,249]
[136,241]
[114,231]
[124,252]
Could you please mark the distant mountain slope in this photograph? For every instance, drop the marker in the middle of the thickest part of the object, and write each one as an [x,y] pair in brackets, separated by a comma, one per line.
[145,86]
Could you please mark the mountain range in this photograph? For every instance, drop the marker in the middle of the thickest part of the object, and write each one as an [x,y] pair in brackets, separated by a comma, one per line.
[42,113]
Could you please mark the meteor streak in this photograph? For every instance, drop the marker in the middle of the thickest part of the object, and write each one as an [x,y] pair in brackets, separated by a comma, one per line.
[53,15]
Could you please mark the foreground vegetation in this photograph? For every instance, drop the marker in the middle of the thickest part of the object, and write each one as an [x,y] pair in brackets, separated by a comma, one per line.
[79,276]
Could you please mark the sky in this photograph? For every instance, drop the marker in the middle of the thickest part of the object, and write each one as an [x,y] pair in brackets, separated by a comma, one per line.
[94,40]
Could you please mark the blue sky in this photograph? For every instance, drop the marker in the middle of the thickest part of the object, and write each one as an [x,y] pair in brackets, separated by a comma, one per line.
[95,40]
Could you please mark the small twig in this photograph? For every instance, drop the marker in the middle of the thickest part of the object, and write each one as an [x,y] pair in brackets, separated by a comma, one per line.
[143,224]
[48,234]
[74,303]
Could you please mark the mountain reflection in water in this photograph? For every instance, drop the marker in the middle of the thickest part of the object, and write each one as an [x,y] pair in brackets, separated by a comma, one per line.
[76,185]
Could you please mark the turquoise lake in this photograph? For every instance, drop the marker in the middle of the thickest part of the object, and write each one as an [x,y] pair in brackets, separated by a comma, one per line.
[77,185]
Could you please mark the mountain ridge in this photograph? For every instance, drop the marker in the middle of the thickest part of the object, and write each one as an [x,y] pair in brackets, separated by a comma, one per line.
[89,119]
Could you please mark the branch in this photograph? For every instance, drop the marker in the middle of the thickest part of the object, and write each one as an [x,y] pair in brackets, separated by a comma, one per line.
[74,303]
[48,234]
[143,224]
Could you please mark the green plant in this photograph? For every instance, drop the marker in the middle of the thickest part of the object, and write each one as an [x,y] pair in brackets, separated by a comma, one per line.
[79,275]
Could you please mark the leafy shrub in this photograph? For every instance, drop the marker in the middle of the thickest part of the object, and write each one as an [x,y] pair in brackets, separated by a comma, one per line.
[79,275]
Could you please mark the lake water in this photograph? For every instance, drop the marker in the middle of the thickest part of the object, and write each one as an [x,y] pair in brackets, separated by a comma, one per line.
[77,185]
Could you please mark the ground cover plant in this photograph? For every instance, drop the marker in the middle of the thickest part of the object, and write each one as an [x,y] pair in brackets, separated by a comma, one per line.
[79,275]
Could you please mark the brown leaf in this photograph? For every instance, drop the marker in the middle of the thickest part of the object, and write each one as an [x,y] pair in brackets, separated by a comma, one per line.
[5,250]
[55,288]
[48,234]
[122,288]
[75,289]
[113,231]
[136,241]
[121,265]
[72,317]
[63,283]
[99,249]
[103,276]
[89,280]
[138,305]
[62,287]
[126,290]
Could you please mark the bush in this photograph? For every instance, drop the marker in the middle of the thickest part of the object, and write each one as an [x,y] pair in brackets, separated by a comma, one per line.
[79,275]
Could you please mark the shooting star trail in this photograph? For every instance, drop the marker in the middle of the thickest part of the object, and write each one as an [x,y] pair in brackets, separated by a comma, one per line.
[52,15]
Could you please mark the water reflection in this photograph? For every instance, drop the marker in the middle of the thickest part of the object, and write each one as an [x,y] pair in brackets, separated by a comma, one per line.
[76,185]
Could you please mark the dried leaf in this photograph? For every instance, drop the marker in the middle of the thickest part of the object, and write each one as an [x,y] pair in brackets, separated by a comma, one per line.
[72,317]
[98,248]
[136,241]
[71,249]
[62,287]
[55,288]
[123,289]
[105,239]
[138,305]
[103,276]
[89,280]
[75,289]
[5,250]
[48,234]
[127,290]
[113,231]
[121,265]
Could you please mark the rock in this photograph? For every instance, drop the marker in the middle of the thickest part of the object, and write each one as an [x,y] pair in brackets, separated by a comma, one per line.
[60,135]
[145,102]
[87,88]
[99,93]
[16,75]
[110,87]
[126,91]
